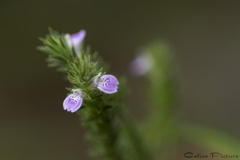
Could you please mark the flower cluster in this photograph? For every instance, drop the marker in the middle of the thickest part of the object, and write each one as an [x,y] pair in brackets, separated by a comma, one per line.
[106,83]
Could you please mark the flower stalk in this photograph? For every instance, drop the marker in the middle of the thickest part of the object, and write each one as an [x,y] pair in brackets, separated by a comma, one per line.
[95,96]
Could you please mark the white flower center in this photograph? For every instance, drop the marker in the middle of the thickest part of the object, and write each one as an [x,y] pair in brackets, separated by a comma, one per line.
[75,99]
[104,82]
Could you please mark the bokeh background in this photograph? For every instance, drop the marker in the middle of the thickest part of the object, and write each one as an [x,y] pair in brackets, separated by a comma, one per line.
[204,36]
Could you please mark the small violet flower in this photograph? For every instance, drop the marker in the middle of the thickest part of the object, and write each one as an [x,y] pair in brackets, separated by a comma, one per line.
[141,64]
[106,83]
[75,40]
[74,101]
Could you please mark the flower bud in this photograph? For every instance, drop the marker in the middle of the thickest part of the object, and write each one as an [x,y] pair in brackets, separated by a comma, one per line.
[141,64]
[75,40]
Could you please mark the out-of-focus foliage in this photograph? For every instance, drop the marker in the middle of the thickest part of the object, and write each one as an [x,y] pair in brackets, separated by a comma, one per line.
[114,135]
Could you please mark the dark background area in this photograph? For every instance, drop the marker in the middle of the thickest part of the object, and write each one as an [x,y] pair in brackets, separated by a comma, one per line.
[204,36]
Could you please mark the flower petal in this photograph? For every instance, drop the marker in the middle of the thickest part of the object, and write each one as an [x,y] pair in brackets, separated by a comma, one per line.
[77,38]
[65,105]
[108,84]
[72,103]
[77,106]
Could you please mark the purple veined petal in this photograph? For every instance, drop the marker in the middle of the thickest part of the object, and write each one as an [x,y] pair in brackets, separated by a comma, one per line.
[108,84]
[65,106]
[141,64]
[72,103]
[108,91]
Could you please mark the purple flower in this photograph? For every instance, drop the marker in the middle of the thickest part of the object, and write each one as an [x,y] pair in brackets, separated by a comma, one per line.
[75,40]
[107,83]
[141,64]
[73,102]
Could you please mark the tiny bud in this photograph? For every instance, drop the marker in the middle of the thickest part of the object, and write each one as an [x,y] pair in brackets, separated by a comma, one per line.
[141,64]
[75,40]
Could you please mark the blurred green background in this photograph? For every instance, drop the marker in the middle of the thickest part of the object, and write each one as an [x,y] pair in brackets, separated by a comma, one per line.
[204,36]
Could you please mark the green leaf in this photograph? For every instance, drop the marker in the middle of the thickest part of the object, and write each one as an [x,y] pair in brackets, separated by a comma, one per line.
[51,31]
[212,139]
[69,72]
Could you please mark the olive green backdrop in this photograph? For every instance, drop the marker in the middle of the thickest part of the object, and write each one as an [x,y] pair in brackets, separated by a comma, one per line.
[204,35]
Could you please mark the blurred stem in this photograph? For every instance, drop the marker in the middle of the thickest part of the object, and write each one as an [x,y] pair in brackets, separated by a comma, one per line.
[140,148]
[162,80]
[102,132]
[161,129]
